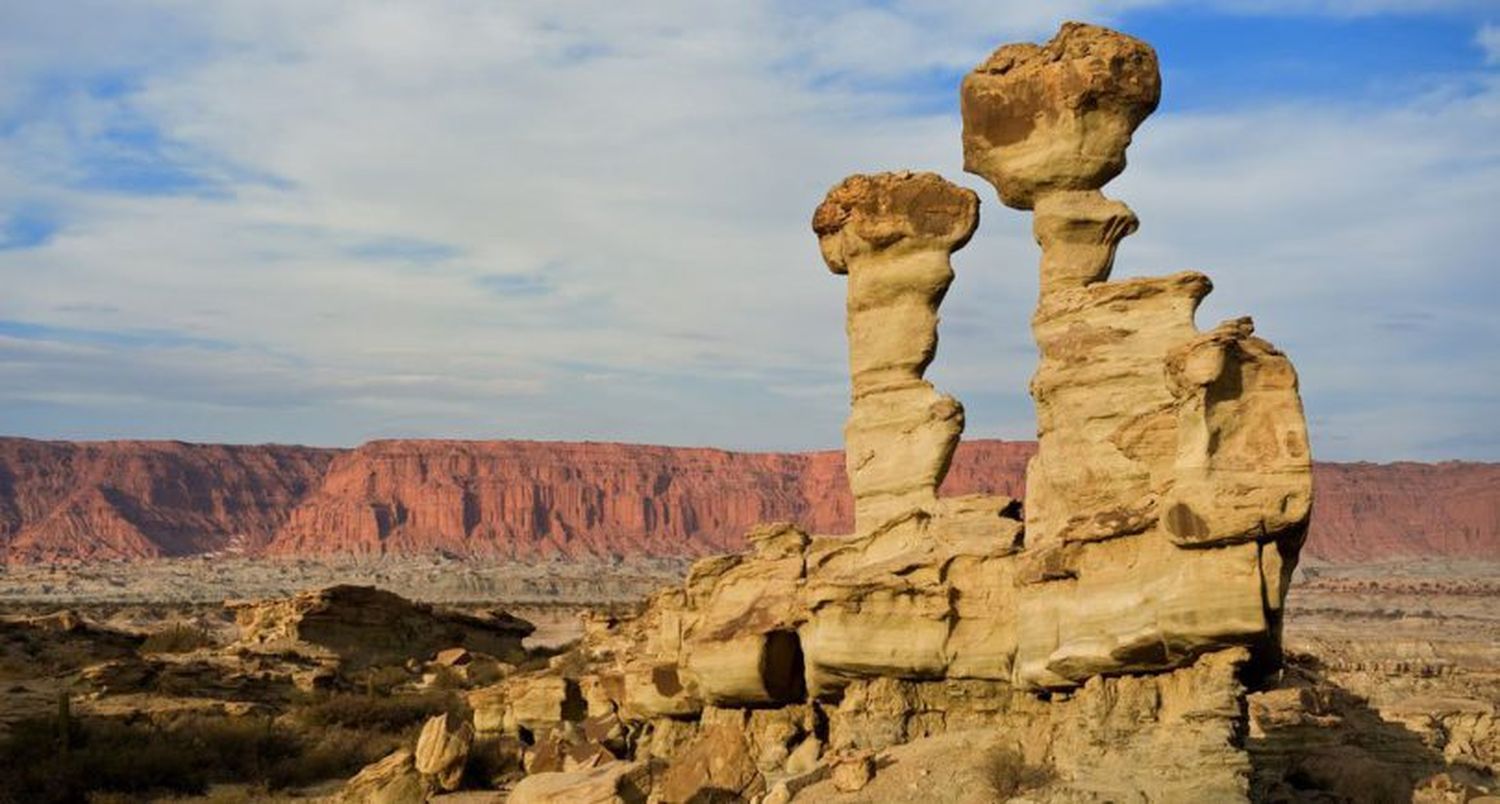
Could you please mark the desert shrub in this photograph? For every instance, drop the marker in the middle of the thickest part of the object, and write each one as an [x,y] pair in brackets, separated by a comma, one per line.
[106,759]
[1008,774]
[382,680]
[446,678]
[178,638]
[379,714]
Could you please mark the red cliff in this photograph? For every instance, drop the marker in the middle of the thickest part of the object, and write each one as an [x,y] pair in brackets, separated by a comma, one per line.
[524,500]
[145,499]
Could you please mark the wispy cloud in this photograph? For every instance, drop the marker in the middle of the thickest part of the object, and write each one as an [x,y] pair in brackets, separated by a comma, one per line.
[512,220]
[1488,39]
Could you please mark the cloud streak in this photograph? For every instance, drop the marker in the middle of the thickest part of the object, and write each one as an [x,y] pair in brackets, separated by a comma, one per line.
[455,219]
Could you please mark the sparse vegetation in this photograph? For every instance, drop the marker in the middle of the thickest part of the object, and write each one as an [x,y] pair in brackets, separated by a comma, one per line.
[64,758]
[1009,775]
[377,713]
[178,638]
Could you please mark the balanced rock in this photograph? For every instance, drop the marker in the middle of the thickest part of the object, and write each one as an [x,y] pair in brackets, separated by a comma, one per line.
[1095,650]
[891,233]
[1171,487]
[1058,116]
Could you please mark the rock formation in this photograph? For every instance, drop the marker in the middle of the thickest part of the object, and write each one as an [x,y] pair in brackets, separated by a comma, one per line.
[145,499]
[360,626]
[1168,500]
[892,234]
[1171,488]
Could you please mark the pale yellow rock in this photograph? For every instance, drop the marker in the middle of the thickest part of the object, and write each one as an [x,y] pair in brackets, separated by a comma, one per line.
[391,780]
[851,773]
[1058,116]
[534,701]
[1171,486]
[443,748]
[611,783]
[742,646]
[892,233]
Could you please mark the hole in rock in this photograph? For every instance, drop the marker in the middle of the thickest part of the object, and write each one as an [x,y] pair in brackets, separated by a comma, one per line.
[781,667]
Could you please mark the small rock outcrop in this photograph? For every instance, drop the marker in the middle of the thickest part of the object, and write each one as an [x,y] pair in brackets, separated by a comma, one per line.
[360,626]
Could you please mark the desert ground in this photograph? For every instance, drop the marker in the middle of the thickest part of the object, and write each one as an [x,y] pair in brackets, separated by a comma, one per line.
[165,702]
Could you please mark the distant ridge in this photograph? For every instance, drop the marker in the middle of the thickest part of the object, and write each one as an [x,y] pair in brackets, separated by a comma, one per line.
[530,500]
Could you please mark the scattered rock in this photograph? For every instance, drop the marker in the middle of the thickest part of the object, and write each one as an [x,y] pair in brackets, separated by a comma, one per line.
[613,783]
[715,767]
[392,780]
[852,772]
[443,748]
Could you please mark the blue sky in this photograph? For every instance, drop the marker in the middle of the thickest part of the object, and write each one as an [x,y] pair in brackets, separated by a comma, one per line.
[327,222]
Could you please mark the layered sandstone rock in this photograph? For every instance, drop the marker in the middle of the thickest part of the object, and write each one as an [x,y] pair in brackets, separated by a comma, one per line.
[1171,488]
[529,500]
[1167,502]
[145,499]
[891,234]
[359,626]
[442,749]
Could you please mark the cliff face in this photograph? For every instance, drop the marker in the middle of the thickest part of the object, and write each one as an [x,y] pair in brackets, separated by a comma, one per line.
[534,499]
[1374,512]
[145,499]
[519,499]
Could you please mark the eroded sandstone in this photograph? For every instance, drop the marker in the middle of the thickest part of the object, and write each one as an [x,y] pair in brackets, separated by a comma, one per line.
[1165,507]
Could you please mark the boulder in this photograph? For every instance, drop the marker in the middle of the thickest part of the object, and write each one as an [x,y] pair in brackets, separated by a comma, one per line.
[443,748]
[612,783]
[391,780]
[1038,119]
[716,767]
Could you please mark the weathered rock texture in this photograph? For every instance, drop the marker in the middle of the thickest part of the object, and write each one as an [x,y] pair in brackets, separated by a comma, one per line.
[588,500]
[1172,484]
[359,626]
[146,499]
[891,234]
[1168,500]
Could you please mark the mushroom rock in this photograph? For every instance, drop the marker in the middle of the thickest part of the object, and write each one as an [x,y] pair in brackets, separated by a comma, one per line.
[1172,483]
[1166,504]
[892,234]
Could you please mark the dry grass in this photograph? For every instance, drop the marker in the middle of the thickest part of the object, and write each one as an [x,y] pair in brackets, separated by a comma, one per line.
[178,638]
[1009,775]
[108,760]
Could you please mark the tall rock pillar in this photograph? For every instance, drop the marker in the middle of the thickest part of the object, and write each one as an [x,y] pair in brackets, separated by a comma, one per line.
[1171,486]
[892,234]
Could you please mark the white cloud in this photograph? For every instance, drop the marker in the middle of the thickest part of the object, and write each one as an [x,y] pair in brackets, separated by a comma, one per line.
[1488,38]
[645,177]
